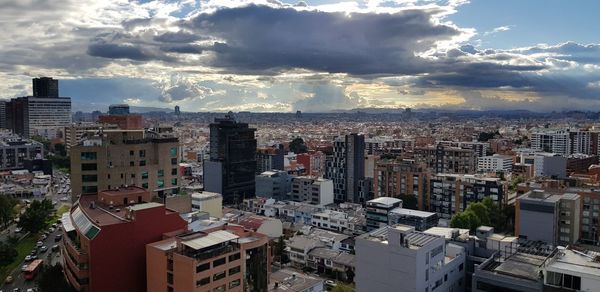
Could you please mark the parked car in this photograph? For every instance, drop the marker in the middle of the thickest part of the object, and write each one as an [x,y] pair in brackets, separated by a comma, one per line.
[58,237]
[43,248]
[18,230]
[55,247]
[28,258]
[24,267]
[39,244]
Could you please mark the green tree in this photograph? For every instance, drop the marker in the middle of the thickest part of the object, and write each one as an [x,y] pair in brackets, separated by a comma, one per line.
[52,279]
[7,253]
[7,210]
[297,145]
[342,288]
[481,211]
[34,218]
[465,220]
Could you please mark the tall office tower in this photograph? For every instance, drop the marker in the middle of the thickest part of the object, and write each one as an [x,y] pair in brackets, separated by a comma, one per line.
[111,159]
[231,168]
[45,87]
[105,237]
[177,110]
[118,109]
[347,168]
[3,114]
[44,114]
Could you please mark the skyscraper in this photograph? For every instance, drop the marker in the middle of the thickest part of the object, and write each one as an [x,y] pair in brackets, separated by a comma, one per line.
[118,109]
[43,114]
[232,165]
[177,110]
[347,167]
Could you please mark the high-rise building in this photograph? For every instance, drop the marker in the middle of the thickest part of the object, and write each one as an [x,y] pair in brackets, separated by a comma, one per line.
[231,168]
[43,114]
[225,258]
[3,124]
[443,159]
[118,109]
[105,237]
[347,168]
[496,162]
[398,258]
[45,87]
[177,110]
[396,179]
[111,159]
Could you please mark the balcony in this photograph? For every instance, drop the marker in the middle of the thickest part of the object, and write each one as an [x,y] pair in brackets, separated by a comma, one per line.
[73,249]
[78,284]
[212,253]
[76,269]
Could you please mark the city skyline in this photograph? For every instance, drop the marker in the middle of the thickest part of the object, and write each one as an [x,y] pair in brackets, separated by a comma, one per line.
[313,56]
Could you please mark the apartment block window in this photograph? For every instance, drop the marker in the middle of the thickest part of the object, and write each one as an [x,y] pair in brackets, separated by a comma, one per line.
[89,178]
[142,153]
[88,156]
[131,163]
[174,171]
[173,161]
[160,183]
[170,278]
[234,283]
[202,267]
[234,270]
[131,152]
[89,189]
[161,173]
[169,264]
[169,289]
[144,175]
[234,257]
[220,288]
[203,282]
[89,166]
[142,162]
[173,151]
[219,262]
[173,181]
[145,185]
[218,276]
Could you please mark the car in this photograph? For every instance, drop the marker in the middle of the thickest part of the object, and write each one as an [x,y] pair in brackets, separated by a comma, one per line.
[57,238]
[31,290]
[51,229]
[33,252]
[43,237]
[55,247]
[17,290]
[28,258]
[34,257]
[54,225]
[39,244]
[18,230]
[24,267]
[64,199]
[330,283]
[43,248]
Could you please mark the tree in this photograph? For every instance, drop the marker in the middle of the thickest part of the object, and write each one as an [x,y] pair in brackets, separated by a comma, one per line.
[481,211]
[349,275]
[465,220]
[7,211]
[52,279]
[34,218]
[409,202]
[7,253]
[297,146]
[342,288]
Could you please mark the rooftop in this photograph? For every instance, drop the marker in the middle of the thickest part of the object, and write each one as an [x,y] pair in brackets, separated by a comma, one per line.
[288,280]
[414,239]
[210,239]
[385,201]
[410,212]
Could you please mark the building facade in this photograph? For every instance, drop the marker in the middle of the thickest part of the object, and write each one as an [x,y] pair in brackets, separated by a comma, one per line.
[377,211]
[443,159]
[15,151]
[273,184]
[495,163]
[346,168]
[315,191]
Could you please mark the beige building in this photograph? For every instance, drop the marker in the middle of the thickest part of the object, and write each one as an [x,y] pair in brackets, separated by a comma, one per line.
[227,258]
[76,131]
[212,203]
[117,158]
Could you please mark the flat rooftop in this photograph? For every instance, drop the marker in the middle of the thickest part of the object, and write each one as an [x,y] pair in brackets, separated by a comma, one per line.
[289,280]
[386,201]
[410,212]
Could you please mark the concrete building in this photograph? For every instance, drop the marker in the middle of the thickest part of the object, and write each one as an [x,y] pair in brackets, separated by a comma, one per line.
[480,149]
[314,162]
[546,164]
[273,184]
[44,115]
[330,220]
[452,193]
[118,109]
[551,140]
[104,244]
[347,168]
[232,165]
[572,270]
[398,258]
[548,217]
[420,220]
[377,211]
[269,158]
[15,151]
[495,163]
[316,191]
[443,159]
[3,114]
[211,203]
[226,258]
[116,158]
[291,281]
[125,122]
[76,132]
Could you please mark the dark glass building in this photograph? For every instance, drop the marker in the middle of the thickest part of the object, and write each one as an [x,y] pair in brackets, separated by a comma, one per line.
[45,87]
[232,165]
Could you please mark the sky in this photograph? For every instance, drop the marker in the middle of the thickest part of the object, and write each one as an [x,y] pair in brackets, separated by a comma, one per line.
[313,56]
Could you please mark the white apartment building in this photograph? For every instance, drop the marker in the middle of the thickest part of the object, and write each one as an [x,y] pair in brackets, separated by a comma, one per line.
[316,191]
[551,140]
[331,220]
[573,270]
[398,258]
[496,163]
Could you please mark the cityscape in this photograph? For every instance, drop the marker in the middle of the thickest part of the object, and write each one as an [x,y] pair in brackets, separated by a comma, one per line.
[180,146]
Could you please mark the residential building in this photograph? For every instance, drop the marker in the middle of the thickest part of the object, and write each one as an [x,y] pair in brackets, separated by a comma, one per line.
[125,122]
[75,132]
[443,159]
[15,151]
[546,164]
[452,193]
[331,220]
[580,163]
[291,281]
[104,244]
[548,217]
[273,184]
[480,149]
[398,258]
[316,191]
[495,163]
[551,140]
[226,258]
[3,114]
[314,162]
[211,203]
[378,210]
[571,269]
[347,168]
[44,115]
[269,158]
[231,168]
[112,159]
[399,178]
[420,220]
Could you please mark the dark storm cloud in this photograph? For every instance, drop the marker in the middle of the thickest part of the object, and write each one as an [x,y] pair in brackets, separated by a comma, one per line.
[177,37]
[182,49]
[116,51]
[266,39]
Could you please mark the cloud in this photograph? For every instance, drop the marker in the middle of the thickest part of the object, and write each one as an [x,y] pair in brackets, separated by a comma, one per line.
[498,29]
[116,51]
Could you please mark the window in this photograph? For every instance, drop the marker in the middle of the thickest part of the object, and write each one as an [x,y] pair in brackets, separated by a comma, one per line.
[426,274]
[220,288]
[219,262]
[160,183]
[169,265]
[173,151]
[234,270]
[142,162]
[202,267]
[131,152]
[218,276]
[234,257]
[89,189]
[203,281]
[131,163]
[133,175]
[145,185]
[89,178]
[554,279]
[173,181]
[88,156]
[142,153]
[234,283]
[169,289]
[460,267]
[173,161]
[144,174]
[174,171]
[88,166]
[161,173]
[170,278]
